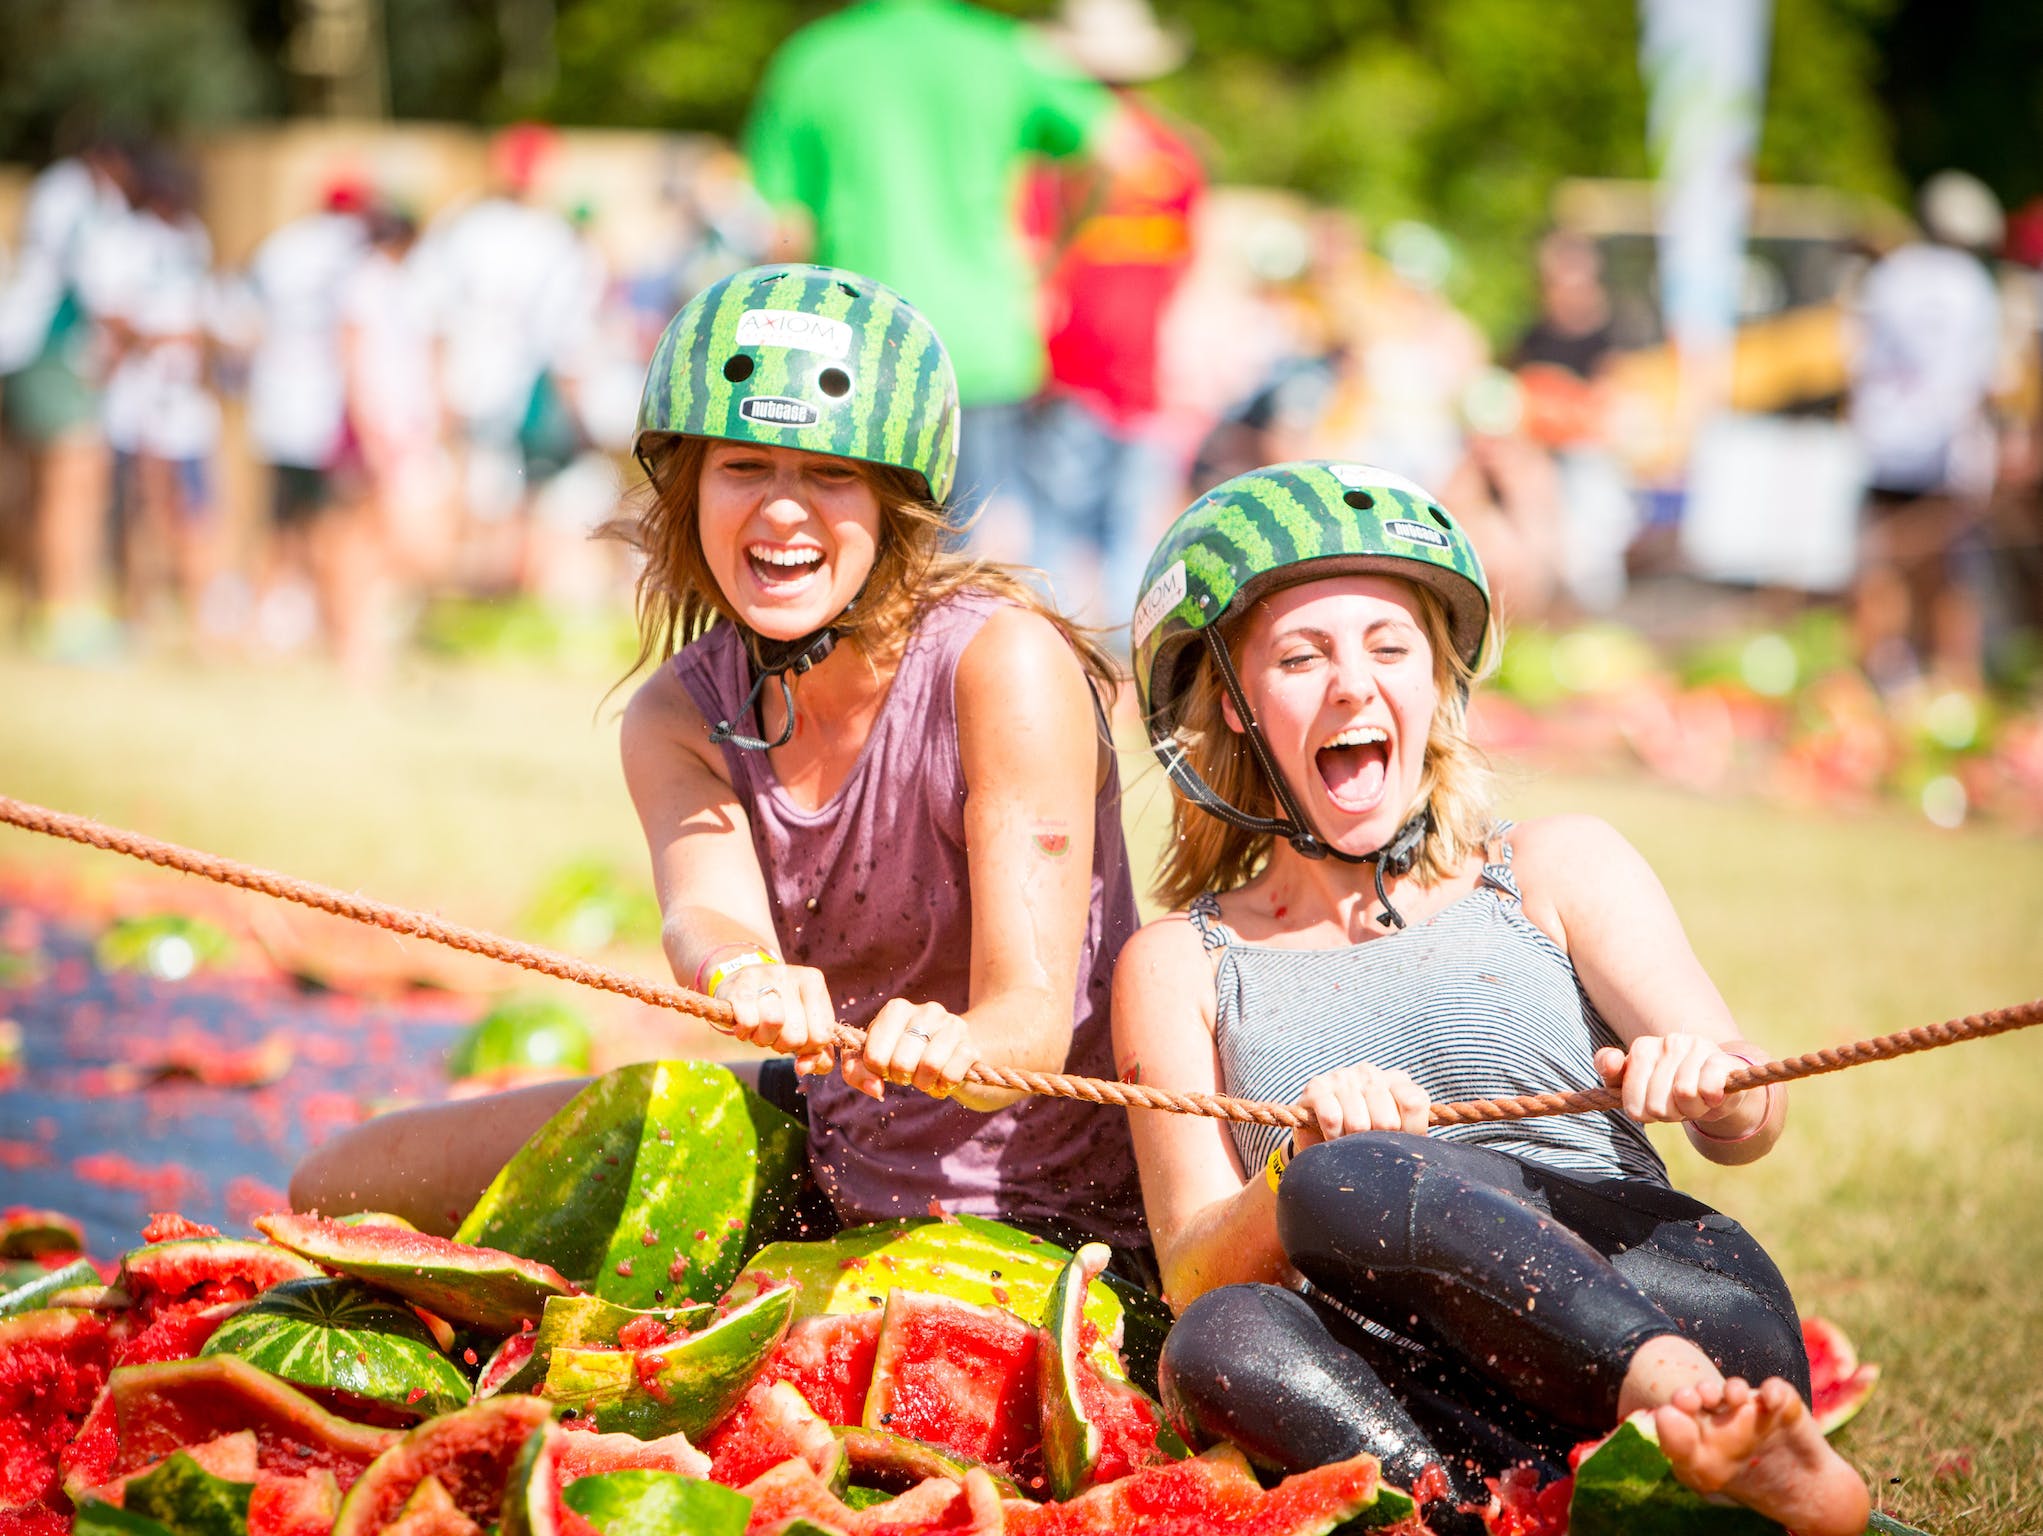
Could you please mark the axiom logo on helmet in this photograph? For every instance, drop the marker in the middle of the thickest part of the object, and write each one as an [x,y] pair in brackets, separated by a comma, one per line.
[791,328]
[778,411]
[1415,533]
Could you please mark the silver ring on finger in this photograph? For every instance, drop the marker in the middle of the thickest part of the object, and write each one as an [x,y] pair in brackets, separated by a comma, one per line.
[919,1034]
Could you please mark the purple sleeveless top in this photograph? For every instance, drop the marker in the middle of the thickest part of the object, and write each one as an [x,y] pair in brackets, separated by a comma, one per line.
[872,889]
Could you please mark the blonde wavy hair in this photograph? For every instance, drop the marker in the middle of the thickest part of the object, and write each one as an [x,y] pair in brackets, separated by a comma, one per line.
[678,598]
[1208,854]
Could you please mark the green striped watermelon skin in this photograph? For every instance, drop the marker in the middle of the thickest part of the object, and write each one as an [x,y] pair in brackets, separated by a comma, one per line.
[1244,537]
[343,1336]
[901,406]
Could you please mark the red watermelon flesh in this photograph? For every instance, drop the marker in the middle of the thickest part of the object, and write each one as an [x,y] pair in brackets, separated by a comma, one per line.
[792,1491]
[430,1512]
[170,1226]
[470,1452]
[52,1365]
[766,1429]
[35,1520]
[1838,1385]
[157,1331]
[1127,1422]
[829,1360]
[1209,1494]
[584,1453]
[230,1456]
[285,1505]
[959,1376]
[1519,1506]
[936,1507]
[149,1411]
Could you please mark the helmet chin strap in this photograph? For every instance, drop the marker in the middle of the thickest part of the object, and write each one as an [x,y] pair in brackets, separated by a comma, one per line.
[1395,857]
[775,659]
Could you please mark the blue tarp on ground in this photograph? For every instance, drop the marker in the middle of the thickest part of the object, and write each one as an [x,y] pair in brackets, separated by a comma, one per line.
[88,1128]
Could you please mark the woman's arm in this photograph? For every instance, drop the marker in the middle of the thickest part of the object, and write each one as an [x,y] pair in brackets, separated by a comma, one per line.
[1029,744]
[1211,1225]
[713,901]
[1594,894]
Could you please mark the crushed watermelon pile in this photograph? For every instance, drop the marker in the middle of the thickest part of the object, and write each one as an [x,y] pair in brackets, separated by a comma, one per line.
[629,1333]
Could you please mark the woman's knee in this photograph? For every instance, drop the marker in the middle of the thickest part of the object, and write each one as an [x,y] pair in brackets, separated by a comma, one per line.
[1353,1184]
[1253,1364]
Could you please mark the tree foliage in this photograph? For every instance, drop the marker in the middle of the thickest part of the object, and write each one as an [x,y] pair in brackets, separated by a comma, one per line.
[1463,113]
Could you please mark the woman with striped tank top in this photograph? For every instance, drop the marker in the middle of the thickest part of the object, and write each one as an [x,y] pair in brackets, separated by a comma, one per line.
[1356,932]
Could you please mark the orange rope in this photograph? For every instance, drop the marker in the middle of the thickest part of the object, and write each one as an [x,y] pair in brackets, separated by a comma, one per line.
[79,829]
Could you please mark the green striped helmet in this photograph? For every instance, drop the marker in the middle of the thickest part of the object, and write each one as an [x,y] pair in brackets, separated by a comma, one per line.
[812,358]
[1280,525]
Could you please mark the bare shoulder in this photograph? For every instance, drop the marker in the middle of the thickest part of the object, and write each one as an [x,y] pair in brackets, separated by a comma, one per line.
[1018,659]
[1161,970]
[1565,847]
[661,718]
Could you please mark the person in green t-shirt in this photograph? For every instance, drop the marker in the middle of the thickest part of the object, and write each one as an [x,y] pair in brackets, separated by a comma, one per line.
[891,137]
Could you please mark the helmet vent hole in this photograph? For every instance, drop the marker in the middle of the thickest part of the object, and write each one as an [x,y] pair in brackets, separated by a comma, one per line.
[1439,515]
[849,291]
[834,382]
[738,368]
[1361,501]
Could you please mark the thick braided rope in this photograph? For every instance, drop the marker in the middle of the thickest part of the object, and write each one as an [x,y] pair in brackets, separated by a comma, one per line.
[79,829]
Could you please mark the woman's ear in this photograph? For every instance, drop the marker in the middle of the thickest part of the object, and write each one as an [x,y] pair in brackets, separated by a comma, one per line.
[1229,713]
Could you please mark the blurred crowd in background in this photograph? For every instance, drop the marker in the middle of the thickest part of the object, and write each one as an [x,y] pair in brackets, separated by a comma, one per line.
[411,391]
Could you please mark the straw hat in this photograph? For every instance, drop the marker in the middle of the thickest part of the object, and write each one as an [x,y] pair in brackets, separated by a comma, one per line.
[1117,41]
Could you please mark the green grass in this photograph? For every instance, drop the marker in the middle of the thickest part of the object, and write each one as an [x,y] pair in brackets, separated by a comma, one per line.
[1906,1202]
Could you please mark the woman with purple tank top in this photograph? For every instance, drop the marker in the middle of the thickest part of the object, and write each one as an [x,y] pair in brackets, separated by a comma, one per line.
[875,781]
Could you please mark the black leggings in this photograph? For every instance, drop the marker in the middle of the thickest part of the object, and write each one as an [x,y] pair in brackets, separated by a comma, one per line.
[1470,1310]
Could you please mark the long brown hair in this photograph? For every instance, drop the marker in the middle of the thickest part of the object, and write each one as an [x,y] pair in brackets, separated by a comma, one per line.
[1208,854]
[678,597]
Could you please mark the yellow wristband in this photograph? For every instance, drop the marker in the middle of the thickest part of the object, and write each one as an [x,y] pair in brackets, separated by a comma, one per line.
[1280,1159]
[724,970]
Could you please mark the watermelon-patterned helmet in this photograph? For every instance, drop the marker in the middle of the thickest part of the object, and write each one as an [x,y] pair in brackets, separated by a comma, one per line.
[807,357]
[1281,525]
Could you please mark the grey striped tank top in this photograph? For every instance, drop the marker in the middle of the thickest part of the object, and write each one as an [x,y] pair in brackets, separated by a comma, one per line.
[1475,1003]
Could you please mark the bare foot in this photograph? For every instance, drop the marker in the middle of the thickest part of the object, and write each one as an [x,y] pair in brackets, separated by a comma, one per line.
[1762,1448]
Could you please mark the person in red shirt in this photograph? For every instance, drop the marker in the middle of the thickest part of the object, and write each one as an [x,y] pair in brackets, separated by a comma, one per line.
[1100,470]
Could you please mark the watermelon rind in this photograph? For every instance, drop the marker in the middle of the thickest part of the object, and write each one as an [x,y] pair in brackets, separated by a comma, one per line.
[657,1504]
[966,1258]
[650,1186]
[155,1410]
[184,1263]
[534,1483]
[1886,1525]
[471,1451]
[429,1510]
[96,1517]
[29,1233]
[183,1496]
[891,1463]
[1071,1441]
[782,1424]
[343,1336]
[375,1219]
[575,1322]
[43,1292]
[482,1287]
[1626,1487]
[681,1387]
[531,1031]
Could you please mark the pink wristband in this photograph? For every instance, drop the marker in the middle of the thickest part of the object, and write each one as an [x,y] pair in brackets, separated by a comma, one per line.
[1757,1125]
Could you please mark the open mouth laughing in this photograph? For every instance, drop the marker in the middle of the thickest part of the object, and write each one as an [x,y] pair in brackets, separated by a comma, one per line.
[1354,765]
